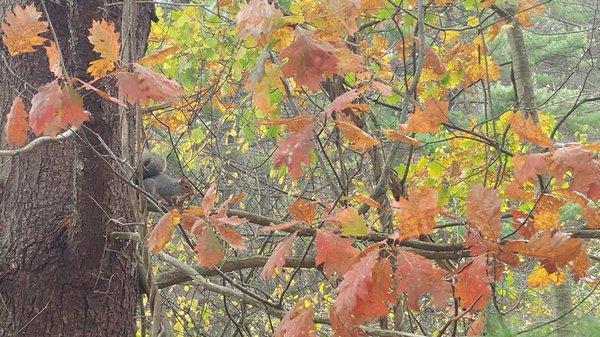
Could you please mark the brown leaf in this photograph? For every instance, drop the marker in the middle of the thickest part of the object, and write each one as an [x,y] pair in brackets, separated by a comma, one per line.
[303,210]
[208,249]
[53,60]
[400,137]
[473,284]
[298,322]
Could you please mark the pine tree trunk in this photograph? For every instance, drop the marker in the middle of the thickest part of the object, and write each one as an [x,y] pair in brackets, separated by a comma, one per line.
[60,273]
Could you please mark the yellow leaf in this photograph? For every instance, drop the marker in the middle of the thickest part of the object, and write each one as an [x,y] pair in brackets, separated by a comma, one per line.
[105,40]
[540,277]
[22,28]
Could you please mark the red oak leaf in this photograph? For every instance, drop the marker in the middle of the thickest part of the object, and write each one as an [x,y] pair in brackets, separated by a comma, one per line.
[277,258]
[335,253]
[16,124]
[143,84]
[364,292]
[54,107]
[483,211]
[473,284]
[298,322]
[208,249]
[340,103]
[294,151]
[309,60]
[416,276]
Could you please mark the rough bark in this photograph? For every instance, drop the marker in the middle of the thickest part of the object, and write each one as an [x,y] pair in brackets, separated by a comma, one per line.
[520,59]
[60,275]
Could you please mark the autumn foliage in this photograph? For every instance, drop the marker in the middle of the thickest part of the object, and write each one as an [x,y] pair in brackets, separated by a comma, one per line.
[382,239]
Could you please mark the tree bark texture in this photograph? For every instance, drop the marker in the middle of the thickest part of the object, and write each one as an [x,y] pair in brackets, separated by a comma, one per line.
[520,59]
[60,274]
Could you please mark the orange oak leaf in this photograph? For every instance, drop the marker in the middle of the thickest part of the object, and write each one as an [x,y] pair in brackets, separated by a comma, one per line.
[416,215]
[335,253]
[527,167]
[54,107]
[143,84]
[16,124]
[298,321]
[364,292]
[528,130]
[258,18]
[292,124]
[208,249]
[483,211]
[400,137]
[345,13]
[429,118]
[189,217]
[294,151]
[158,56]
[277,258]
[53,60]
[309,60]
[547,212]
[162,231]
[232,237]
[105,39]
[303,210]
[432,61]
[21,29]
[473,284]
[554,250]
[416,276]
[340,103]
[581,167]
[359,140]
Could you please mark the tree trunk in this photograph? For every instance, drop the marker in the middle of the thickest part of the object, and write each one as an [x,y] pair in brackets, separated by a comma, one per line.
[60,273]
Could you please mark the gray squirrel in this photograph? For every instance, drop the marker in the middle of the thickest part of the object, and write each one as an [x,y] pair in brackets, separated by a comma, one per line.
[163,187]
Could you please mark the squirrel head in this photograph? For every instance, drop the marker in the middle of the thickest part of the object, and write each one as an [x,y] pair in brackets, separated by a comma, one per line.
[187,190]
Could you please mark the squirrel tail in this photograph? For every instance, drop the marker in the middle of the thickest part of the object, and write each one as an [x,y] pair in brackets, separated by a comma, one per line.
[152,164]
